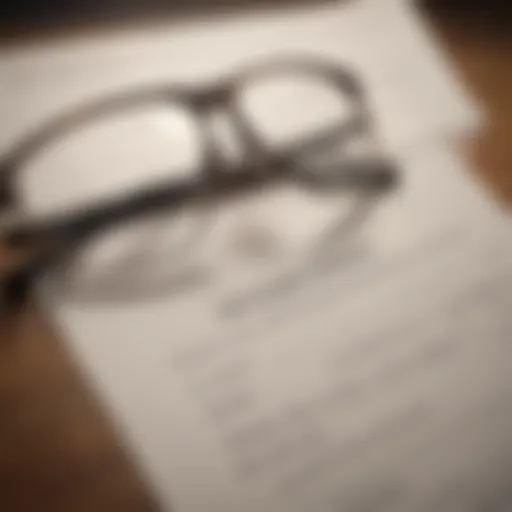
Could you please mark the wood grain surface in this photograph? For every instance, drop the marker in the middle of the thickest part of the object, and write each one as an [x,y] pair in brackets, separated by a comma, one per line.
[58,451]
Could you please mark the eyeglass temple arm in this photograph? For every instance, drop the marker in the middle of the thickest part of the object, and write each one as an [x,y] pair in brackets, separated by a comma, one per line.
[62,234]
[81,223]
[168,196]
[65,232]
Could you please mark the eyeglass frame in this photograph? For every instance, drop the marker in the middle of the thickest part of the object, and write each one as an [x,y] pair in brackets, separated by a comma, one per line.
[259,167]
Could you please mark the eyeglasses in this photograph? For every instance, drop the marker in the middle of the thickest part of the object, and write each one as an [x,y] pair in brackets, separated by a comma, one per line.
[121,195]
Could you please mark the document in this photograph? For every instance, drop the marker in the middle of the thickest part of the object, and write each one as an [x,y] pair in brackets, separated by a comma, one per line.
[377,379]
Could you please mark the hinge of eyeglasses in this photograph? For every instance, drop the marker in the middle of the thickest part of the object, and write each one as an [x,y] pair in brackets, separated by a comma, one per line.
[6,194]
[14,291]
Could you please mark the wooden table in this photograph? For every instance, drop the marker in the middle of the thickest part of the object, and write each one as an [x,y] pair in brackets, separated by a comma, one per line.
[57,451]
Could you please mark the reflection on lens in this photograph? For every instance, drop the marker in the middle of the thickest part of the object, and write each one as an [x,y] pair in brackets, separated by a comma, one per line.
[110,155]
[140,259]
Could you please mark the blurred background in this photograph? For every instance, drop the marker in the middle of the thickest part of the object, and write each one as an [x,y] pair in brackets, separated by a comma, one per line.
[25,17]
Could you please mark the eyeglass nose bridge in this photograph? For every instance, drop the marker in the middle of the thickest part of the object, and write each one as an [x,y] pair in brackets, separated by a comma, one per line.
[211,97]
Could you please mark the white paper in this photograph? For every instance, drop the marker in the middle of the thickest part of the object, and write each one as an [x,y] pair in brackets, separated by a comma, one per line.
[347,385]
[380,382]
